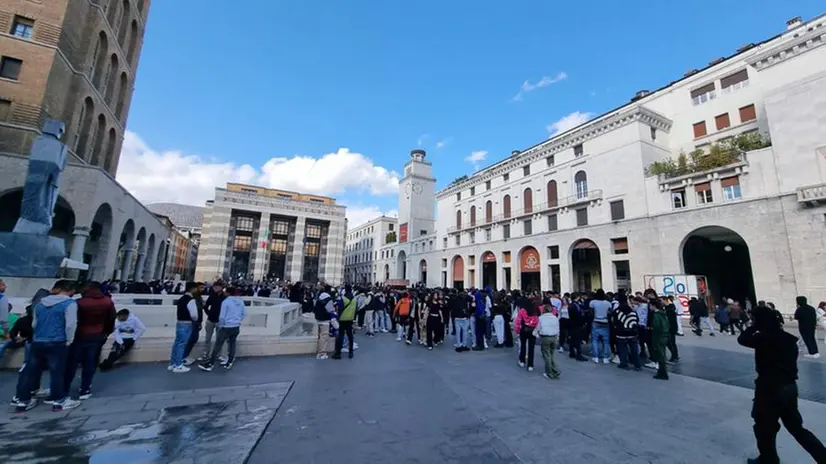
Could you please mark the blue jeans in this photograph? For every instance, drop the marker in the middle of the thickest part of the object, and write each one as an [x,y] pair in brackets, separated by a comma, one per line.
[86,352]
[599,333]
[183,330]
[462,332]
[51,355]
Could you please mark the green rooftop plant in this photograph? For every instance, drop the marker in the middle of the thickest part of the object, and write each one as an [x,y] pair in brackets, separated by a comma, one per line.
[719,154]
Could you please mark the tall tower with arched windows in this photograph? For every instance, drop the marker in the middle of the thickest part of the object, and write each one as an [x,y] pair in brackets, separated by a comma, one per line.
[417,195]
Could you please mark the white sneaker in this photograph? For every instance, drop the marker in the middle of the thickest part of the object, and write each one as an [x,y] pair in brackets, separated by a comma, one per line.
[180,369]
[355,346]
[561,350]
[346,349]
[595,360]
[188,361]
[521,364]
[812,356]
[222,359]
[170,367]
[66,404]
[606,361]
[652,365]
[384,331]
[322,356]
[615,359]
[398,339]
[530,369]
[42,393]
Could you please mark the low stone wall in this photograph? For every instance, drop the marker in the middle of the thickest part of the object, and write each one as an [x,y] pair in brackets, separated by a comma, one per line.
[273,326]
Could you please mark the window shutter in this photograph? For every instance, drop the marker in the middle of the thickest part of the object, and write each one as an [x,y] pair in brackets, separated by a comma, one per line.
[700,129]
[702,187]
[702,90]
[747,113]
[730,181]
[735,78]
[722,121]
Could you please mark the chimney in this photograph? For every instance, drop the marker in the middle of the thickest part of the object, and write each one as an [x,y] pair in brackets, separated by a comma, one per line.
[717,61]
[793,23]
[689,73]
[745,47]
[640,94]
[515,152]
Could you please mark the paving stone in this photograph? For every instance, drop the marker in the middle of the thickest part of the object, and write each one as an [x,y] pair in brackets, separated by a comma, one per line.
[183,401]
[115,420]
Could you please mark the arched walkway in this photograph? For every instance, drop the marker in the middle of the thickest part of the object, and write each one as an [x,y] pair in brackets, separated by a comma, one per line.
[722,255]
[159,261]
[386,272]
[489,270]
[401,265]
[423,272]
[458,272]
[97,246]
[529,267]
[586,266]
[149,266]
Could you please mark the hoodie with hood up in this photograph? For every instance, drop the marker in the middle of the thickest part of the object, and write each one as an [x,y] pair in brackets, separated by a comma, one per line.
[54,319]
[95,314]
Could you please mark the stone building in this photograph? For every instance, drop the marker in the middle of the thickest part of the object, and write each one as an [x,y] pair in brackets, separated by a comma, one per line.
[610,202]
[254,232]
[364,249]
[76,61]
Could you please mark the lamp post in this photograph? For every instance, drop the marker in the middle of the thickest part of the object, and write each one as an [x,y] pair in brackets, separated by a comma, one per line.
[165,257]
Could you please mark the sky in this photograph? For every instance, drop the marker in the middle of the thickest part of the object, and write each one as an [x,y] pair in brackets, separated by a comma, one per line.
[329,96]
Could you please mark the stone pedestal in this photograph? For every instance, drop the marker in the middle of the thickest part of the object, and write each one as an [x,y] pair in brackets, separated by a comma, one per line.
[30,255]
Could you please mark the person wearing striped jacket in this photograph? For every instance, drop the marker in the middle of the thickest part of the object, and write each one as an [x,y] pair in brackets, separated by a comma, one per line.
[626,323]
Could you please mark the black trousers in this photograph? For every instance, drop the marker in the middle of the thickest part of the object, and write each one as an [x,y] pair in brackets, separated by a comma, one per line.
[775,404]
[672,346]
[527,344]
[413,324]
[808,336]
[576,341]
[118,351]
[479,331]
[435,331]
[344,327]
[563,332]
[645,341]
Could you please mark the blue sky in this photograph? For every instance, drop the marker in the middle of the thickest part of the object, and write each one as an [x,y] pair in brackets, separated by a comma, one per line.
[222,90]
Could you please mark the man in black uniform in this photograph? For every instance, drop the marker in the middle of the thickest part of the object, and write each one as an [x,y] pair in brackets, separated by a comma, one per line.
[775,393]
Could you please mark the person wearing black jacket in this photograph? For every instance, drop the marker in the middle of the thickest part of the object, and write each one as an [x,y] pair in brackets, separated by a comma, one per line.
[577,323]
[457,304]
[625,322]
[212,308]
[806,318]
[775,393]
[673,328]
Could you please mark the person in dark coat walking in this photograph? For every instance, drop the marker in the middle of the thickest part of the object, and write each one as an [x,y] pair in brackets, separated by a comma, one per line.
[775,393]
[806,317]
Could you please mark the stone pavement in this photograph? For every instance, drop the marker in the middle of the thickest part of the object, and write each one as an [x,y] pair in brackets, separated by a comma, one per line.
[205,425]
[397,403]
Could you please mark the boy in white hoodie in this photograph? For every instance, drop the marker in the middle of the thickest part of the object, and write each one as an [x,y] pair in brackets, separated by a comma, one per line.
[233,312]
[128,329]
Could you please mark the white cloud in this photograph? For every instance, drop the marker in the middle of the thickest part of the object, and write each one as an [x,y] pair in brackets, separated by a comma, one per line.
[358,215]
[545,81]
[568,122]
[443,143]
[172,176]
[422,139]
[476,157]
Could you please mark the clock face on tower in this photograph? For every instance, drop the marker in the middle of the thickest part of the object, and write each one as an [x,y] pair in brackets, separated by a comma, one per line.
[414,187]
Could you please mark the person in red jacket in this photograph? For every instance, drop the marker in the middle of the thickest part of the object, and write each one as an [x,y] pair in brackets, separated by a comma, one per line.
[95,321]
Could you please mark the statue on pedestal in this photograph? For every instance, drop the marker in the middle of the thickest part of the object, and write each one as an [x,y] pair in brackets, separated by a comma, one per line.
[29,251]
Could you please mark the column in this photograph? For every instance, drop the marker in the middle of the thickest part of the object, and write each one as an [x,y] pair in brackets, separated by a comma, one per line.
[149,266]
[297,258]
[139,266]
[79,237]
[126,265]
[261,254]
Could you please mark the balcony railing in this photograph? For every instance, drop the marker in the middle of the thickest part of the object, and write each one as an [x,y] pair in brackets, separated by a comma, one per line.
[564,202]
[812,194]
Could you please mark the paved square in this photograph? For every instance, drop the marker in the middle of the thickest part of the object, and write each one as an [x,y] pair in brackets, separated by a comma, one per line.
[208,425]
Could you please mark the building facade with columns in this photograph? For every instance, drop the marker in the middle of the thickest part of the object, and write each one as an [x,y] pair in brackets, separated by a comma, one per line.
[720,173]
[364,248]
[256,233]
[76,61]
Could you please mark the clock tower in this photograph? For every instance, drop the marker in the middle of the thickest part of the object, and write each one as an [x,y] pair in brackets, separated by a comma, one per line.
[417,196]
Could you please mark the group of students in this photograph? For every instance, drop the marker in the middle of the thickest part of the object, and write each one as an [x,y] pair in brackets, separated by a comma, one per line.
[58,332]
